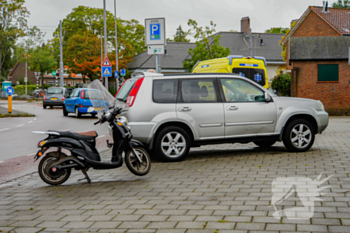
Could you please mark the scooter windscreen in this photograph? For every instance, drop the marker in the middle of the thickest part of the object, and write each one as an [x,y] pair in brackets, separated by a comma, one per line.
[101,99]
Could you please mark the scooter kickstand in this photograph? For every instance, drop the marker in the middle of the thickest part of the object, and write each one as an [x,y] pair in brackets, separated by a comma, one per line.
[86,177]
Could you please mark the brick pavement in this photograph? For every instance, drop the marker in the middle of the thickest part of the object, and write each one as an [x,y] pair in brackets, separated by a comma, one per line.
[219,188]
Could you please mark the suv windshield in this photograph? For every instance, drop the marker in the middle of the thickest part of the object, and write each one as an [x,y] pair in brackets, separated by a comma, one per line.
[125,89]
[55,91]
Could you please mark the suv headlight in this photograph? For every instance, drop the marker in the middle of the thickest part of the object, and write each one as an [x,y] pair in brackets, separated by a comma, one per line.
[123,120]
[320,106]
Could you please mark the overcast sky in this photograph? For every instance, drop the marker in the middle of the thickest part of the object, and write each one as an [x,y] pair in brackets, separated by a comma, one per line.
[227,14]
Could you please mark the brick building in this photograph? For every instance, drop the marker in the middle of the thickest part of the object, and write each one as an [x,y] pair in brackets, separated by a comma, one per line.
[317,54]
[18,73]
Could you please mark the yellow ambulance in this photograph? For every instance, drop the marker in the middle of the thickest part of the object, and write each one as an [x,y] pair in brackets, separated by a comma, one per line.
[253,68]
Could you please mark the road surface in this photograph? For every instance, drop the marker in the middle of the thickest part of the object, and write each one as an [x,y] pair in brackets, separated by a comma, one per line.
[17,142]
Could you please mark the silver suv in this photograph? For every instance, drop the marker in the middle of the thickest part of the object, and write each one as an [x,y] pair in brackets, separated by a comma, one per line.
[171,113]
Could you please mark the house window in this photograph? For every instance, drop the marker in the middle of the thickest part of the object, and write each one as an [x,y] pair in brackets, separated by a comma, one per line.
[328,72]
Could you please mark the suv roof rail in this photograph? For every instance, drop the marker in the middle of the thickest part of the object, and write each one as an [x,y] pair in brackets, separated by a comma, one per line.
[145,74]
[196,74]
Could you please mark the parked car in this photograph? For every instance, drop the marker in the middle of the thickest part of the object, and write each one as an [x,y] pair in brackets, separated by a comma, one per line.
[79,102]
[171,113]
[55,96]
[38,93]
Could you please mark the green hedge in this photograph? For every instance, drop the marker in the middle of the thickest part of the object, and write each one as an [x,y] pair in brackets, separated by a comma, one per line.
[282,84]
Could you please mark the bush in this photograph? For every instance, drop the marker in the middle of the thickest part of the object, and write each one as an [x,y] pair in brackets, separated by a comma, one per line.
[282,83]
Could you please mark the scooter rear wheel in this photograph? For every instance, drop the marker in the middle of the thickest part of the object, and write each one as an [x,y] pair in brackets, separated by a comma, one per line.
[50,177]
[134,165]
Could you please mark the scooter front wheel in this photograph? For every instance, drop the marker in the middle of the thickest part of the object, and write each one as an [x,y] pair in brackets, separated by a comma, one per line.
[50,177]
[133,163]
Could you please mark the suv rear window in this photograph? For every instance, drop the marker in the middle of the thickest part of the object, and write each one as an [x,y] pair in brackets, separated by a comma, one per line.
[198,91]
[165,91]
[125,89]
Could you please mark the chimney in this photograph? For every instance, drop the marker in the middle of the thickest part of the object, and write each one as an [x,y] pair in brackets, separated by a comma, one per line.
[245,25]
[324,6]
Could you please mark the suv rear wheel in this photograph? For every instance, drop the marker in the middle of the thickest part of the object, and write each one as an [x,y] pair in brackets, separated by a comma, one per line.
[172,144]
[299,135]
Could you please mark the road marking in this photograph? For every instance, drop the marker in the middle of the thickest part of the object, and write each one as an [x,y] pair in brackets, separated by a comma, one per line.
[35,119]
[30,122]
[20,125]
[32,154]
[101,136]
[1,161]
[4,129]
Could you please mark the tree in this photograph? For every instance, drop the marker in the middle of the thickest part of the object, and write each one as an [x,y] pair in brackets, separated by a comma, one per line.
[13,24]
[345,4]
[38,55]
[277,30]
[180,36]
[207,45]
[83,27]
[41,59]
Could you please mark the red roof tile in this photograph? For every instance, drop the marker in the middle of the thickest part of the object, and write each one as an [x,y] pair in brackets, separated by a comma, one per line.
[338,18]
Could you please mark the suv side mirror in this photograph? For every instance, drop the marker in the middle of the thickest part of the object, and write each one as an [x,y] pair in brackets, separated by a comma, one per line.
[267,97]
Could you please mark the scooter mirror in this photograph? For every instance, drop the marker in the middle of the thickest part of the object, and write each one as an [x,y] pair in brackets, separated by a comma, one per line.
[91,109]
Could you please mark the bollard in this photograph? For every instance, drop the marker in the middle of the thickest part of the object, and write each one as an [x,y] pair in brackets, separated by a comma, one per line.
[10,103]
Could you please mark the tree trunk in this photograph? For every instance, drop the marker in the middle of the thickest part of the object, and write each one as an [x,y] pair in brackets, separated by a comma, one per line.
[83,78]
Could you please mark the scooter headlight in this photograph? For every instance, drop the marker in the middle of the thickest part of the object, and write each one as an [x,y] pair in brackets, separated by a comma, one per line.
[123,120]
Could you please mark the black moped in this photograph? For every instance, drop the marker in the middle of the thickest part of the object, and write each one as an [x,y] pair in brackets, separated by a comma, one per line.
[55,167]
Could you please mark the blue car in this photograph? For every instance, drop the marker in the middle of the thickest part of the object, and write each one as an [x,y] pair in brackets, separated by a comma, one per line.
[79,102]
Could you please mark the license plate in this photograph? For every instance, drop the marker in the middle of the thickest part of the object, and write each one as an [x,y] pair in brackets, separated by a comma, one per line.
[98,109]
[54,98]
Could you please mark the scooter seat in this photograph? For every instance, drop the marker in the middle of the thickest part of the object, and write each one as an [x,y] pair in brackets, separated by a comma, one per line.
[77,135]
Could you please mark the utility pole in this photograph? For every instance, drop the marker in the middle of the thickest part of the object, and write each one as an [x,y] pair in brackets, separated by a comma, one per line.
[61,57]
[105,32]
[26,78]
[116,43]
[251,43]
[101,57]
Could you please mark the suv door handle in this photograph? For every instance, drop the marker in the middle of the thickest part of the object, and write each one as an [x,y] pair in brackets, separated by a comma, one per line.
[185,109]
[232,108]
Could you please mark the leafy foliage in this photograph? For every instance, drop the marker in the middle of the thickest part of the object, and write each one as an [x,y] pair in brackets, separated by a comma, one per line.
[180,36]
[277,30]
[207,44]
[13,24]
[345,4]
[82,30]
[282,84]
[38,55]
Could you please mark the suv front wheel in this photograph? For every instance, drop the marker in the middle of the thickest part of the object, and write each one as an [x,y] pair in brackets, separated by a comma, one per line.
[299,135]
[172,144]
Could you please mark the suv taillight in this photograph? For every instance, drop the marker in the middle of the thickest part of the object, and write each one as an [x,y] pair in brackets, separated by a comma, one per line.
[82,94]
[63,98]
[133,93]
[44,97]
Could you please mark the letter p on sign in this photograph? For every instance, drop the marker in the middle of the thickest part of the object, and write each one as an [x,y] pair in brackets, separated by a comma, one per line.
[155,31]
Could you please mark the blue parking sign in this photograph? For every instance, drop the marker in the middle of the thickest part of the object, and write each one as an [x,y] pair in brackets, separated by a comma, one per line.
[155,31]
